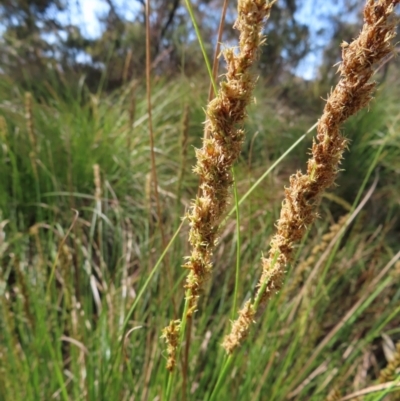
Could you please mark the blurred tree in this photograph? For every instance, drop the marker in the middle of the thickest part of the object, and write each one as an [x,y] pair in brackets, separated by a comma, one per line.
[343,25]
[287,38]
[35,38]
[30,34]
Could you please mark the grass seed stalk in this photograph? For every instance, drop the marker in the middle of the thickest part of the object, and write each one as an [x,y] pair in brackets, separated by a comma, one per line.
[302,197]
[225,116]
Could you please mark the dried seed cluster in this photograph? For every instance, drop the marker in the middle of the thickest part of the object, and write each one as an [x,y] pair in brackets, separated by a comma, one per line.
[352,93]
[221,148]
[171,336]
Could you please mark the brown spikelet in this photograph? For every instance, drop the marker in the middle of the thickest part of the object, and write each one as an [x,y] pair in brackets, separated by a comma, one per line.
[240,327]
[183,150]
[97,182]
[171,336]
[392,370]
[147,192]
[221,148]
[353,92]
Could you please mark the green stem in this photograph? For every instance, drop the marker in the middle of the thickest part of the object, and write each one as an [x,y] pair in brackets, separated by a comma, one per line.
[228,362]
[169,385]
[235,295]
[221,378]
[201,43]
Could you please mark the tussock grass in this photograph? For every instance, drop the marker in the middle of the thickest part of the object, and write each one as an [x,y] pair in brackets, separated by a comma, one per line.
[83,295]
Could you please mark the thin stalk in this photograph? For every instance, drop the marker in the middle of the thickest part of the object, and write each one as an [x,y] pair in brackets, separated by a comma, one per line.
[235,294]
[224,371]
[185,362]
[150,277]
[212,90]
[386,387]
[152,153]
[254,306]
[201,43]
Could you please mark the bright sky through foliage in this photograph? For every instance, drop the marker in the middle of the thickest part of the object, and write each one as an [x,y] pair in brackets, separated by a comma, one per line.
[87,15]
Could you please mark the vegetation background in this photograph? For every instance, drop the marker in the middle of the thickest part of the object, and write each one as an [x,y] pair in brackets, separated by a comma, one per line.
[85,287]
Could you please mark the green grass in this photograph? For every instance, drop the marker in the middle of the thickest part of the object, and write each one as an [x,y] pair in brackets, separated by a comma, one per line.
[84,299]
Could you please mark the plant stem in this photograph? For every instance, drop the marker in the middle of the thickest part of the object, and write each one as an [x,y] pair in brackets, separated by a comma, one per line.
[224,371]
[235,293]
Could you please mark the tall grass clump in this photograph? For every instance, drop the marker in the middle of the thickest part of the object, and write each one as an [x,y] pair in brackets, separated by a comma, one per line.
[299,209]
[84,287]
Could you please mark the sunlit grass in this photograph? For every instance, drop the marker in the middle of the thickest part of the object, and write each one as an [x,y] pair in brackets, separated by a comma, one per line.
[83,300]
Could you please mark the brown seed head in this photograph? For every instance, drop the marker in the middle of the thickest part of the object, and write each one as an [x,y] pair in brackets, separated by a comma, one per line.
[225,116]
[171,336]
[353,92]
[240,327]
